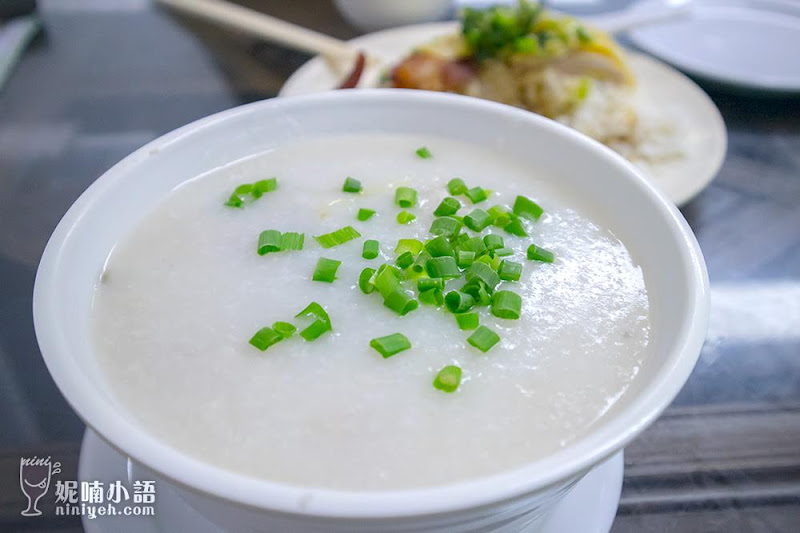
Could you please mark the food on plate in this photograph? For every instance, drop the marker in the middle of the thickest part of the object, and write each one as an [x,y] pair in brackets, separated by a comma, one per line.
[548,63]
[278,318]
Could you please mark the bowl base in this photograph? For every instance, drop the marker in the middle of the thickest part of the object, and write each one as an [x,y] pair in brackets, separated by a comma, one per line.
[589,507]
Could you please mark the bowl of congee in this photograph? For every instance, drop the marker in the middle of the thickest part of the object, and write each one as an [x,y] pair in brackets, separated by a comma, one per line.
[370,310]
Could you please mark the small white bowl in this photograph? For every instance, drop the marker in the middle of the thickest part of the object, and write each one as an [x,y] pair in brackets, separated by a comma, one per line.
[654,231]
[371,15]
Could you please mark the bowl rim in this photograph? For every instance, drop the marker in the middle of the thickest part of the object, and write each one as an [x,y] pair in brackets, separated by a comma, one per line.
[208,479]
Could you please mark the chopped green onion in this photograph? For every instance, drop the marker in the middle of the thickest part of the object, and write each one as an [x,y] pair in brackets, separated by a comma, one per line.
[468,320]
[536,253]
[269,241]
[400,302]
[419,263]
[439,247]
[456,186]
[405,260]
[449,206]
[474,244]
[365,214]
[365,280]
[321,324]
[447,226]
[477,195]
[499,215]
[284,329]
[408,245]
[351,185]
[527,208]
[506,304]
[428,284]
[448,379]
[515,227]
[326,270]
[478,290]
[503,252]
[404,217]
[483,339]
[391,344]
[458,302]
[583,35]
[387,280]
[465,258]
[264,338]
[405,197]
[249,192]
[335,238]
[442,267]
[424,153]
[477,220]
[371,249]
[510,270]
[485,273]
[493,242]
[292,241]
[432,297]
[262,186]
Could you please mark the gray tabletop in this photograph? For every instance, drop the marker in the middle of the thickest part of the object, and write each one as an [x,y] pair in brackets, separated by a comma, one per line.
[105,77]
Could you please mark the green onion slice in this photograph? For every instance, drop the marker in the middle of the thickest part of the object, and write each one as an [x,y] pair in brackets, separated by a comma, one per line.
[477,195]
[442,267]
[390,344]
[515,227]
[408,245]
[478,290]
[477,220]
[456,186]
[326,270]
[448,379]
[351,185]
[506,304]
[264,338]
[419,263]
[292,241]
[400,302]
[493,242]
[439,247]
[405,197]
[269,241]
[537,253]
[284,329]
[448,206]
[465,258]
[335,238]
[447,226]
[527,208]
[424,153]
[432,297]
[474,244]
[321,323]
[467,321]
[503,252]
[405,217]
[365,280]
[510,270]
[365,214]
[404,260]
[371,249]
[485,273]
[459,302]
[483,339]
[429,284]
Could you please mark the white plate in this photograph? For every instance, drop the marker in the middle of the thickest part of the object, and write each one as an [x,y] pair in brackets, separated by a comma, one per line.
[701,126]
[589,507]
[749,43]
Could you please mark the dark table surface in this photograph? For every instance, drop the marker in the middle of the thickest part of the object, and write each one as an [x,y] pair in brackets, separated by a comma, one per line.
[105,77]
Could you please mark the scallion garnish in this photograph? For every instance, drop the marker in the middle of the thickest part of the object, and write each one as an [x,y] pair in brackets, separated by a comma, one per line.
[249,192]
[335,238]
[527,208]
[326,270]
[424,153]
[483,339]
[394,296]
[405,197]
[465,258]
[292,241]
[408,245]
[515,227]
[432,297]
[400,302]
[419,263]
[478,290]
[485,273]
[390,344]
[510,270]
[537,253]
[448,206]
[365,214]
[442,267]
[477,220]
[439,246]
[499,215]
[429,284]
[404,260]
[456,186]
[474,244]
[447,226]
[477,195]
[264,338]
[493,242]
[467,321]
[351,185]
[365,280]
[448,379]
[263,186]
[503,252]
[321,323]
[506,304]
[458,302]
[371,249]
[284,329]
[269,241]
[405,217]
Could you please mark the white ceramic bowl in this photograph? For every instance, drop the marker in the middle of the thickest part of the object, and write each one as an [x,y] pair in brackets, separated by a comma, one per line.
[654,231]
[369,15]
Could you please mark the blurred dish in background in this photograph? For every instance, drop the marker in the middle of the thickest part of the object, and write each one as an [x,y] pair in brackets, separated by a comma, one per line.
[648,112]
[752,44]
[371,15]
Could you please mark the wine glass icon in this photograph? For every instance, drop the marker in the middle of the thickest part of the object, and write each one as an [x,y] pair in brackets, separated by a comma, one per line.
[34,480]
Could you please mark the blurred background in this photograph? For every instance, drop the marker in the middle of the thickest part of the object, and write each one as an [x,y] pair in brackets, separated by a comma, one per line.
[85,82]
